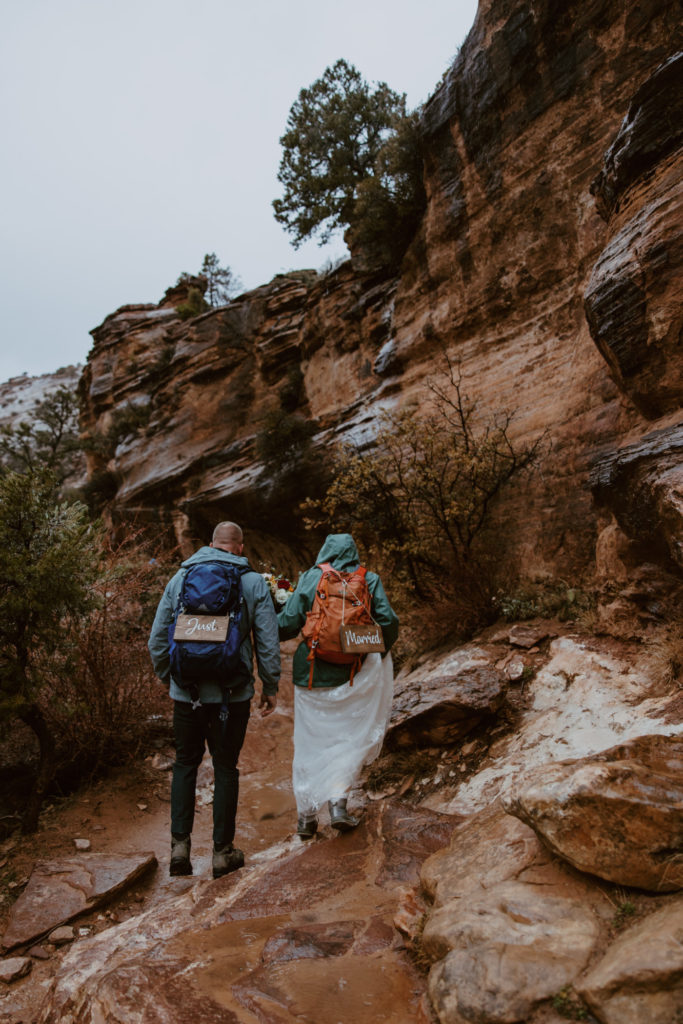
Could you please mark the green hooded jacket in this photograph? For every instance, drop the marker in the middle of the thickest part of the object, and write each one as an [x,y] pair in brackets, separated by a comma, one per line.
[340,550]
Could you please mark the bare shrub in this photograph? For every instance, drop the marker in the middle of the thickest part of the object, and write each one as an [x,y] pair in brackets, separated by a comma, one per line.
[666,657]
[102,697]
[419,501]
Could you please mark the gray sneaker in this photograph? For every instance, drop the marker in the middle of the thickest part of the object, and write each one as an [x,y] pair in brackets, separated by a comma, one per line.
[180,855]
[340,817]
[226,858]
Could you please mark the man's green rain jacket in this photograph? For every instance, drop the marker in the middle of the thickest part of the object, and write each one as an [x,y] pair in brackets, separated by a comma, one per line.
[340,550]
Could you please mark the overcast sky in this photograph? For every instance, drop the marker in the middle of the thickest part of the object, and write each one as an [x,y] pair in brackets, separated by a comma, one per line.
[139,135]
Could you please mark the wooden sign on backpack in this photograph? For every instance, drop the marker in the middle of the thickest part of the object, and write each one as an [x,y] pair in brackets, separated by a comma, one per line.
[361,639]
[202,628]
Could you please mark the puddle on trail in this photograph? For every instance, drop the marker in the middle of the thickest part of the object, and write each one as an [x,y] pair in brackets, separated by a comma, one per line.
[237,973]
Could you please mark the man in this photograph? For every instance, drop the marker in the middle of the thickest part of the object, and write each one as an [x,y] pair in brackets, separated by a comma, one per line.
[193,726]
[339,721]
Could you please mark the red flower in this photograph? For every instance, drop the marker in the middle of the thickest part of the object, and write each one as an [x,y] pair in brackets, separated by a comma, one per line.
[284,585]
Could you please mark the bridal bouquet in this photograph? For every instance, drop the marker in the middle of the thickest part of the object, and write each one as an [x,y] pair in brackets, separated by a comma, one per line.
[280,589]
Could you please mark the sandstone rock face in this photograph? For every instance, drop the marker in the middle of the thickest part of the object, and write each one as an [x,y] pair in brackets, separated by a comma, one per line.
[60,890]
[510,949]
[437,708]
[512,140]
[633,296]
[633,307]
[618,815]
[283,939]
[642,484]
[201,388]
[640,979]
[587,697]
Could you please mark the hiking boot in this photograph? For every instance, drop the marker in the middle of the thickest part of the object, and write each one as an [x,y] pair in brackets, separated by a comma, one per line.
[180,855]
[340,817]
[226,858]
[306,827]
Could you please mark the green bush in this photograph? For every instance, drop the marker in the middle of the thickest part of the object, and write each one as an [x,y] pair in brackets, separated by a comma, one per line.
[100,688]
[292,391]
[125,422]
[419,501]
[193,305]
[48,563]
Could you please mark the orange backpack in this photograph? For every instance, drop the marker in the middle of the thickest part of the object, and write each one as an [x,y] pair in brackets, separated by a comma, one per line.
[341,599]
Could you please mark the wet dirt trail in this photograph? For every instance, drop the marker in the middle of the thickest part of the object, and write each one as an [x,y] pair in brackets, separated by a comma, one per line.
[303,933]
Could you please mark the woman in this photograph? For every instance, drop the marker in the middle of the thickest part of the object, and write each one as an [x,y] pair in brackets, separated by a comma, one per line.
[340,714]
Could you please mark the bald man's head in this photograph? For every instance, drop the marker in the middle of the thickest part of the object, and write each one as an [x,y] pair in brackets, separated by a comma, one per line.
[228,537]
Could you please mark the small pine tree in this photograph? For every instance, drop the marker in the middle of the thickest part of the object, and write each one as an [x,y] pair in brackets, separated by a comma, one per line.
[222,285]
[48,441]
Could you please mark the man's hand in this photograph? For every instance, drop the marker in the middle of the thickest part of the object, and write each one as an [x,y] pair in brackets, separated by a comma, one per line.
[268,704]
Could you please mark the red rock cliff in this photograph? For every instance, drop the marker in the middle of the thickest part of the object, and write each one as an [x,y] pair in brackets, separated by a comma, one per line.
[512,241]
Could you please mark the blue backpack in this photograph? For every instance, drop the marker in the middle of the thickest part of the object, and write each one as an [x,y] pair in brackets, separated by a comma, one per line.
[211,606]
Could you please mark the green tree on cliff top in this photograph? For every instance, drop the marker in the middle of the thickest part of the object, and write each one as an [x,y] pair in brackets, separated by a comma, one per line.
[221,283]
[335,131]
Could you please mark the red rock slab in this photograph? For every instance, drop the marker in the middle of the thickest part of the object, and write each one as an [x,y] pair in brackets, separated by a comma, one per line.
[409,836]
[61,890]
[306,937]
[344,990]
[387,848]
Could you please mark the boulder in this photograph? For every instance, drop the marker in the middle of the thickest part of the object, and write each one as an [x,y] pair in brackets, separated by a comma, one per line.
[640,979]
[488,848]
[618,814]
[591,694]
[525,635]
[60,890]
[14,968]
[438,707]
[510,949]
[63,935]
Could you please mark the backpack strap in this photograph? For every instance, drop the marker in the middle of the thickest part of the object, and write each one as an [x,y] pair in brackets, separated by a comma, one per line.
[225,703]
